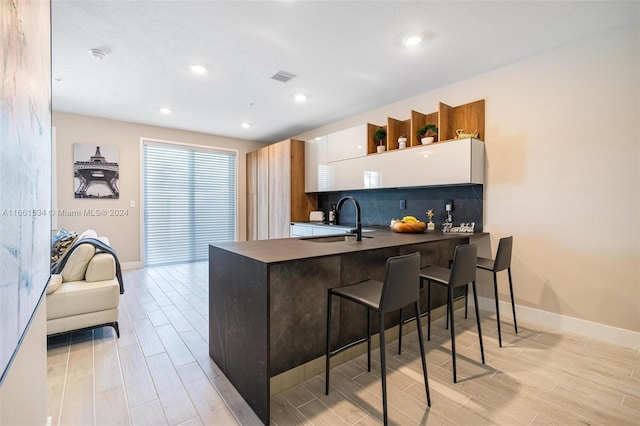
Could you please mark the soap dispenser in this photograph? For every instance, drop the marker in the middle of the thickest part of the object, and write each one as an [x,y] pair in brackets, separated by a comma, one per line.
[332,214]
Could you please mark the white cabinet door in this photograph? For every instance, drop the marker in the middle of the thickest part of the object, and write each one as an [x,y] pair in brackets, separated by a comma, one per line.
[454,162]
[347,143]
[315,165]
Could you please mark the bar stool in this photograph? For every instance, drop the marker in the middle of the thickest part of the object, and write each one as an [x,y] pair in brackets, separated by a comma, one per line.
[401,287]
[501,262]
[462,272]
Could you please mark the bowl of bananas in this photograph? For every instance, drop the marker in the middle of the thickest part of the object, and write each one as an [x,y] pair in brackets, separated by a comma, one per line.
[408,224]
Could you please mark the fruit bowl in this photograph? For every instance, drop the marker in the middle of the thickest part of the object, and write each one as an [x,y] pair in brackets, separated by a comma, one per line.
[408,227]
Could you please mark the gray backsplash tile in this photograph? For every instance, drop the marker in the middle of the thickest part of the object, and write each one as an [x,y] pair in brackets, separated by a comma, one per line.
[379,206]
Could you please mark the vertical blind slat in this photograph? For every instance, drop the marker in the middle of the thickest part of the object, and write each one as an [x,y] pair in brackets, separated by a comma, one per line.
[189,202]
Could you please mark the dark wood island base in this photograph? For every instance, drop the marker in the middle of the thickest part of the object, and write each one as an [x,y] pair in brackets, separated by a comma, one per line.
[268,300]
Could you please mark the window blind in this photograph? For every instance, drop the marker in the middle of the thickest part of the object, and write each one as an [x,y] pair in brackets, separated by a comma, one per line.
[189,201]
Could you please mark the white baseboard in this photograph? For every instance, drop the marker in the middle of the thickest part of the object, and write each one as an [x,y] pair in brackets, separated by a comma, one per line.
[126,266]
[606,333]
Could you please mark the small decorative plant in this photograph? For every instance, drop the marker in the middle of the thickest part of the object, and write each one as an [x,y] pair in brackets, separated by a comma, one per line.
[380,135]
[428,130]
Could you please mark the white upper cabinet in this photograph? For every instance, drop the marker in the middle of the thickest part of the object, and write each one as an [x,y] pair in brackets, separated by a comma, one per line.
[315,165]
[444,163]
[347,143]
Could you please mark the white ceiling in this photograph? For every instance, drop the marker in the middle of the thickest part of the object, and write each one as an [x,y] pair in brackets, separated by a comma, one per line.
[348,55]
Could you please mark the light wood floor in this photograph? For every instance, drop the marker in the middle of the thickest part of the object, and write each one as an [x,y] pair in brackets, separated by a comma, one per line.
[159,372]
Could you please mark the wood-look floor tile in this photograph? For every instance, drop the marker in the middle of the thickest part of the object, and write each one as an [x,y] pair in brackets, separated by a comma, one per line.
[175,347]
[283,413]
[148,414]
[137,379]
[176,318]
[173,397]
[80,355]
[148,337]
[336,401]
[297,395]
[78,403]
[209,404]
[58,349]
[237,405]
[108,374]
[111,407]
[319,414]
[56,376]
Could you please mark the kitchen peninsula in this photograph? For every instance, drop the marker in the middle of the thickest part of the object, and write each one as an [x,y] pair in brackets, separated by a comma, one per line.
[267,300]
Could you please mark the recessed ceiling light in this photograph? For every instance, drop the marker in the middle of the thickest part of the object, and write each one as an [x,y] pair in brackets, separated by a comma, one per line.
[412,39]
[165,110]
[246,125]
[199,68]
[300,97]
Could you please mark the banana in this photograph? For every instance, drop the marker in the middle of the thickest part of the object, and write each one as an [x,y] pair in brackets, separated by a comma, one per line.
[409,219]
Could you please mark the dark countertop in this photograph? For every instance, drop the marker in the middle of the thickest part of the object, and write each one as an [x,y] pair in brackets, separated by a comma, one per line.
[288,249]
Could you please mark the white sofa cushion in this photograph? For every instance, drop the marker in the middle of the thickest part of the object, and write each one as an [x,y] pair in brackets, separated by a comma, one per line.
[81,297]
[55,281]
[77,263]
[101,267]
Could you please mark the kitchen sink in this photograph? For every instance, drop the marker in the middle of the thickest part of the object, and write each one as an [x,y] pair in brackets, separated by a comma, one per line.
[333,238]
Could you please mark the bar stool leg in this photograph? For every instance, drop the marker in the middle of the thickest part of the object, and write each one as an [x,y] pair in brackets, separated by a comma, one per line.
[368,340]
[446,324]
[495,290]
[466,305]
[453,334]
[429,310]
[475,300]
[449,299]
[422,354]
[400,334]
[328,357]
[513,304]
[383,368]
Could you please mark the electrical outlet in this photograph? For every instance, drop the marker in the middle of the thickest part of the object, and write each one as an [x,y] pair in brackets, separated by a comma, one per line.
[403,204]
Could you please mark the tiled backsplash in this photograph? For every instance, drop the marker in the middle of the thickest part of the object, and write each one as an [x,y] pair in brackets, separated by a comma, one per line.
[379,206]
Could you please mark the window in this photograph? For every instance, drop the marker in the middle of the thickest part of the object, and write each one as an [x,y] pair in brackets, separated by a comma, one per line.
[189,201]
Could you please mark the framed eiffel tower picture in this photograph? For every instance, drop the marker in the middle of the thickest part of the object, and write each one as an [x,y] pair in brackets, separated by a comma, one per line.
[96,171]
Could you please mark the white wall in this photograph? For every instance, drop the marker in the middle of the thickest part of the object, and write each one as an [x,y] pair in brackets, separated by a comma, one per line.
[563,161]
[23,394]
[124,231]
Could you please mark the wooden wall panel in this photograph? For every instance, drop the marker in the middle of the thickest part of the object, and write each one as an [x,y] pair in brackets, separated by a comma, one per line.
[262,195]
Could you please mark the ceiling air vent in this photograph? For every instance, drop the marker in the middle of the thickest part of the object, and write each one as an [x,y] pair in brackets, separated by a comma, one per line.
[283,76]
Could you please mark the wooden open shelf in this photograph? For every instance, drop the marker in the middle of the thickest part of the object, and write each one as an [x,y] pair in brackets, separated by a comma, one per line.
[418,120]
[395,129]
[468,117]
[371,140]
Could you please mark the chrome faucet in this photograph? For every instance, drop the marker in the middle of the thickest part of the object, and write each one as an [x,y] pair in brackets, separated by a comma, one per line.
[358,230]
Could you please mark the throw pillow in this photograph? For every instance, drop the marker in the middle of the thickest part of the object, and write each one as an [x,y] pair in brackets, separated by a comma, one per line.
[60,243]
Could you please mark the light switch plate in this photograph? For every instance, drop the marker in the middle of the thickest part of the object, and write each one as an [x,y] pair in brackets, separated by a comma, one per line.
[403,204]
[132,203]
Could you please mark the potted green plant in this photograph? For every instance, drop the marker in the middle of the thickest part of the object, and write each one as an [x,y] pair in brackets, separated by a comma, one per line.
[380,136]
[427,133]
